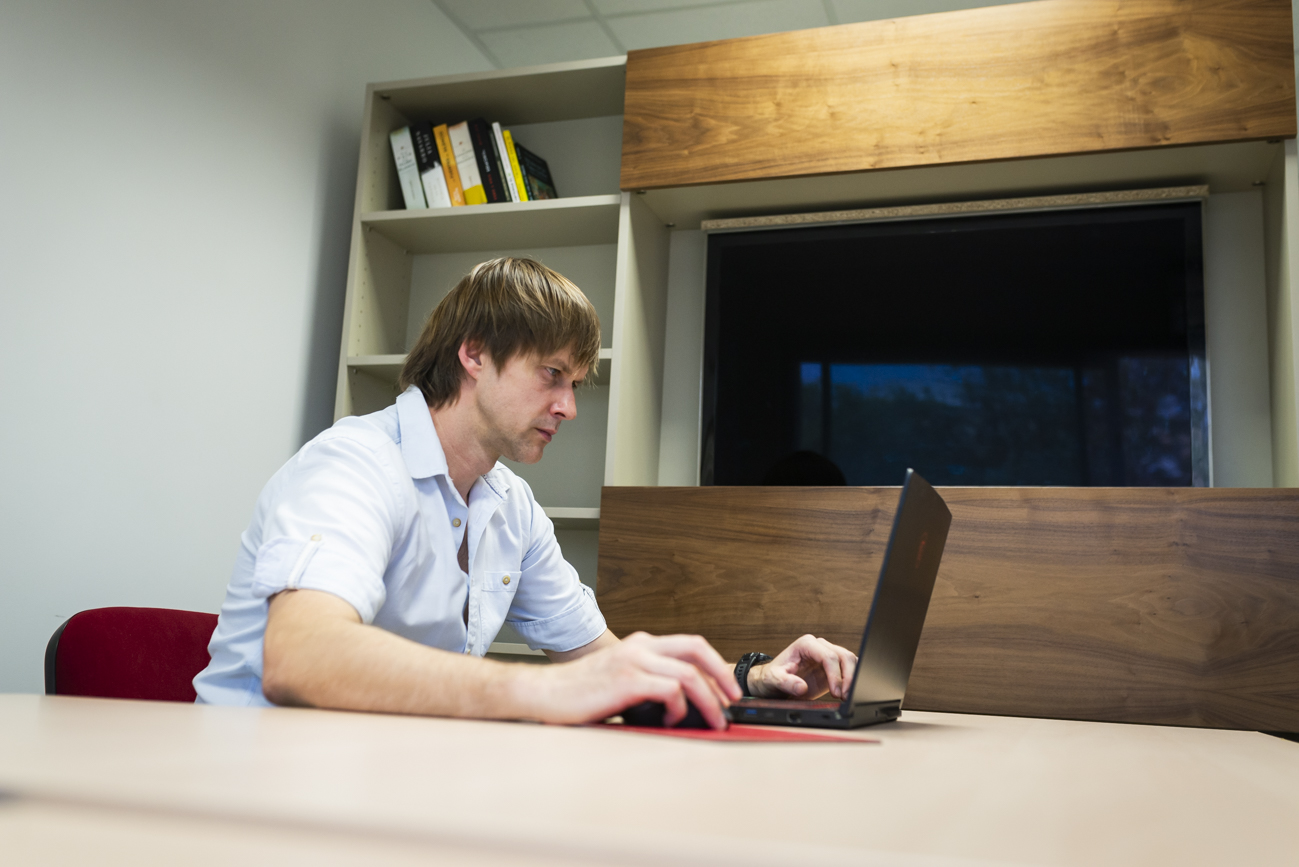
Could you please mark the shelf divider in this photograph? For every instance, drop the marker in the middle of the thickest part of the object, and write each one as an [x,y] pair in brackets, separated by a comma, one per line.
[571,222]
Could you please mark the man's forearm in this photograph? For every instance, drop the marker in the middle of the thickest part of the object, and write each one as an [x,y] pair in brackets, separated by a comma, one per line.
[605,639]
[318,653]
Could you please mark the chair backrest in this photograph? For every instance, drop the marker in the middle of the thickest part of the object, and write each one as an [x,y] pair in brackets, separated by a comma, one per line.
[145,653]
[1152,605]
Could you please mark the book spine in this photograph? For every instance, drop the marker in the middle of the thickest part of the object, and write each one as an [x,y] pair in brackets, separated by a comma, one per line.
[519,183]
[403,152]
[422,138]
[430,169]
[481,134]
[436,193]
[462,145]
[537,171]
[448,159]
[503,157]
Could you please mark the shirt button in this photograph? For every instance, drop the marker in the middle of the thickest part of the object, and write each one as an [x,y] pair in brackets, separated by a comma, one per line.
[505,580]
[455,522]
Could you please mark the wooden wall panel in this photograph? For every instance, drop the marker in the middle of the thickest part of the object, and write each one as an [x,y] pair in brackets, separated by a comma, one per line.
[1033,79]
[1153,605]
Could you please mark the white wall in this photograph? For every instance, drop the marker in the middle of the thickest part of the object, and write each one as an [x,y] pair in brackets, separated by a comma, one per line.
[1236,337]
[177,182]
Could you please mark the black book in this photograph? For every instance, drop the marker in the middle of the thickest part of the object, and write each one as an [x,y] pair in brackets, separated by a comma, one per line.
[426,150]
[536,174]
[489,167]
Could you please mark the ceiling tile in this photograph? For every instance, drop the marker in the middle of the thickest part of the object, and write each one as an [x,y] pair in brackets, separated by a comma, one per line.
[717,22]
[850,11]
[476,14]
[549,43]
[624,7]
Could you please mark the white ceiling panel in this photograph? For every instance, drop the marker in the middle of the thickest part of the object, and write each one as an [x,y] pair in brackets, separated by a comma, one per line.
[549,43]
[725,21]
[850,11]
[480,14]
[626,7]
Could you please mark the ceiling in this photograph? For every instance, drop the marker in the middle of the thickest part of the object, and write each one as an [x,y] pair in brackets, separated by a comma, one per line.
[526,32]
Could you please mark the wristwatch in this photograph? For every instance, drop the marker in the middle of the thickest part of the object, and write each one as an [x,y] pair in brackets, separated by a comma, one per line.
[742,667]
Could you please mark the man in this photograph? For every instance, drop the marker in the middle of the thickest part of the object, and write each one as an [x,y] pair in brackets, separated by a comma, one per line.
[383,558]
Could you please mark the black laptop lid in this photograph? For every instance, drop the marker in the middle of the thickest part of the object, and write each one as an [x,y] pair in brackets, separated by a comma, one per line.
[902,595]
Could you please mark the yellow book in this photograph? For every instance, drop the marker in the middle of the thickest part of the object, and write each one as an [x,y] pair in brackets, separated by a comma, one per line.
[463,148]
[514,166]
[449,168]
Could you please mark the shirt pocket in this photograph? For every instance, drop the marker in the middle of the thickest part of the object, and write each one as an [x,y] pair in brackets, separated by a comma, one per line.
[501,581]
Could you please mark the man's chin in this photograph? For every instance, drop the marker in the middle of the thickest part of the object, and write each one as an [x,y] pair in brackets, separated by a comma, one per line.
[527,455]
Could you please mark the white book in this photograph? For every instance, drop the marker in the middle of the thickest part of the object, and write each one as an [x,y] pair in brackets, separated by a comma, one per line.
[505,164]
[462,145]
[436,192]
[403,152]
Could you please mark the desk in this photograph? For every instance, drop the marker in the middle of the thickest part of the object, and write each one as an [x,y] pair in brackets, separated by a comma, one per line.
[116,777]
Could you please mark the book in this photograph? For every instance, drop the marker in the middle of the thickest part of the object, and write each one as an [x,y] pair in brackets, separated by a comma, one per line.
[488,169]
[403,153]
[448,159]
[503,156]
[462,146]
[431,176]
[514,167]
[536,173]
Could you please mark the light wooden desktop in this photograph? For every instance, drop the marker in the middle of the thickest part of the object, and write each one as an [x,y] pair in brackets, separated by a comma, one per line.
[103,781]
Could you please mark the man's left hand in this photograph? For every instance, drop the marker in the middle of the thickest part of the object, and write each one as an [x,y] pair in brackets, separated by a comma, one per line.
[807,669]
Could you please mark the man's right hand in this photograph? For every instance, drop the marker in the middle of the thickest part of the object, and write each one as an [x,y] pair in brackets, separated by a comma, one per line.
[669,669]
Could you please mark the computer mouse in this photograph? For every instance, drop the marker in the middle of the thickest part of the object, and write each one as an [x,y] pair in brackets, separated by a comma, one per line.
[649,714]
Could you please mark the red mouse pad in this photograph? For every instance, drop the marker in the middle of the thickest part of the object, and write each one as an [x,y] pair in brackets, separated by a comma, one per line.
[743,734]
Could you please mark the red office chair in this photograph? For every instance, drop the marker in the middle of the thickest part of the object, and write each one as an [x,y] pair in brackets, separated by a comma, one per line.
[148,653]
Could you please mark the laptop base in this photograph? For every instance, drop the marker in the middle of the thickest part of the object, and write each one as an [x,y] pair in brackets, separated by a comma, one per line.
[812,714]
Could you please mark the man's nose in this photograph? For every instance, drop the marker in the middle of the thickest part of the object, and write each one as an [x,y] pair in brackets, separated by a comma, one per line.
[566,406]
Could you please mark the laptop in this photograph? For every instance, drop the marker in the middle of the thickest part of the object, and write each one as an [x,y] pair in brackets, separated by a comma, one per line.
[897,614]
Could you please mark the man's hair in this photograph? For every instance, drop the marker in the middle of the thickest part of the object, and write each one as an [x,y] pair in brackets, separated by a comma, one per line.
[509,307]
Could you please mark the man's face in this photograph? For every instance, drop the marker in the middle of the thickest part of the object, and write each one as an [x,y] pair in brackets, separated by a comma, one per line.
[521,405]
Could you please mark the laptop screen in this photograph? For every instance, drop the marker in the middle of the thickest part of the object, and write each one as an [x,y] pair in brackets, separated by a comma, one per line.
[902,595]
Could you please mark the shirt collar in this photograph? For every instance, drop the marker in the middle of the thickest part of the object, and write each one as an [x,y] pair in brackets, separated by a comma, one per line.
[422,450]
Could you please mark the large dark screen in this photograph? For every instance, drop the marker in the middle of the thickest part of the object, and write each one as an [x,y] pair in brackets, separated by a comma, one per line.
[1055,348]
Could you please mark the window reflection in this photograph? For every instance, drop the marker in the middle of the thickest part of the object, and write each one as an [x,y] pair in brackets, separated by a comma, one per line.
[1121,421]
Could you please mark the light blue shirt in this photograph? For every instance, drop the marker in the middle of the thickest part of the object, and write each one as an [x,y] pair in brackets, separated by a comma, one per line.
[367,511]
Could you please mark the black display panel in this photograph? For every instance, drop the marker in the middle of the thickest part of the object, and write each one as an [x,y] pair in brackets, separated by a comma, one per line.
[1049,348]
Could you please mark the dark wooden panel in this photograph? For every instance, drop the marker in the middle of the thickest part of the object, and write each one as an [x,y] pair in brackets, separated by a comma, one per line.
[1004,82]
[1153,605]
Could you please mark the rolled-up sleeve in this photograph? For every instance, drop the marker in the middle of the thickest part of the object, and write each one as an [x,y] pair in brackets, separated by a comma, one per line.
[332,525]
[553,609]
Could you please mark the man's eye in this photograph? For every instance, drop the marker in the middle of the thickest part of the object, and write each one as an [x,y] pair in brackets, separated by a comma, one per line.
[552,372]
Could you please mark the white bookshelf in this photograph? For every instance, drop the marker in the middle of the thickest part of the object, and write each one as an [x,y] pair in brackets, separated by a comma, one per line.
[402,263]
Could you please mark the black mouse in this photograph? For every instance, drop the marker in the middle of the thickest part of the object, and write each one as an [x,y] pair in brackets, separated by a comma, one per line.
[649,714]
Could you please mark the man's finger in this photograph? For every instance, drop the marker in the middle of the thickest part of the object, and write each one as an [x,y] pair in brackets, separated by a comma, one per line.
[847,666]
[823,657]
[698,652]
[697,686]
[847,662]
[667,691]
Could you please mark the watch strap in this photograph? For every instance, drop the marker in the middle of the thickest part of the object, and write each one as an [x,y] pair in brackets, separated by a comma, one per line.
[747,661]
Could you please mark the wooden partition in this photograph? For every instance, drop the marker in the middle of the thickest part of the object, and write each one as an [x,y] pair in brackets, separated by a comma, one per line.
[1053,77]
[1154,605]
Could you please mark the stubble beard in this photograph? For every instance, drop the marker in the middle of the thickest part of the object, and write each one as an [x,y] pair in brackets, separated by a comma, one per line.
[524,447]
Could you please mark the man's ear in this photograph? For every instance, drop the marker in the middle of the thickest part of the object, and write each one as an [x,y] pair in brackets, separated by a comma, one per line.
[473,358]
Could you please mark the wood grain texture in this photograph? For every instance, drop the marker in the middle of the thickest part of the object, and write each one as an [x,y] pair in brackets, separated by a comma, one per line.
[1053,77]
[1152,605]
